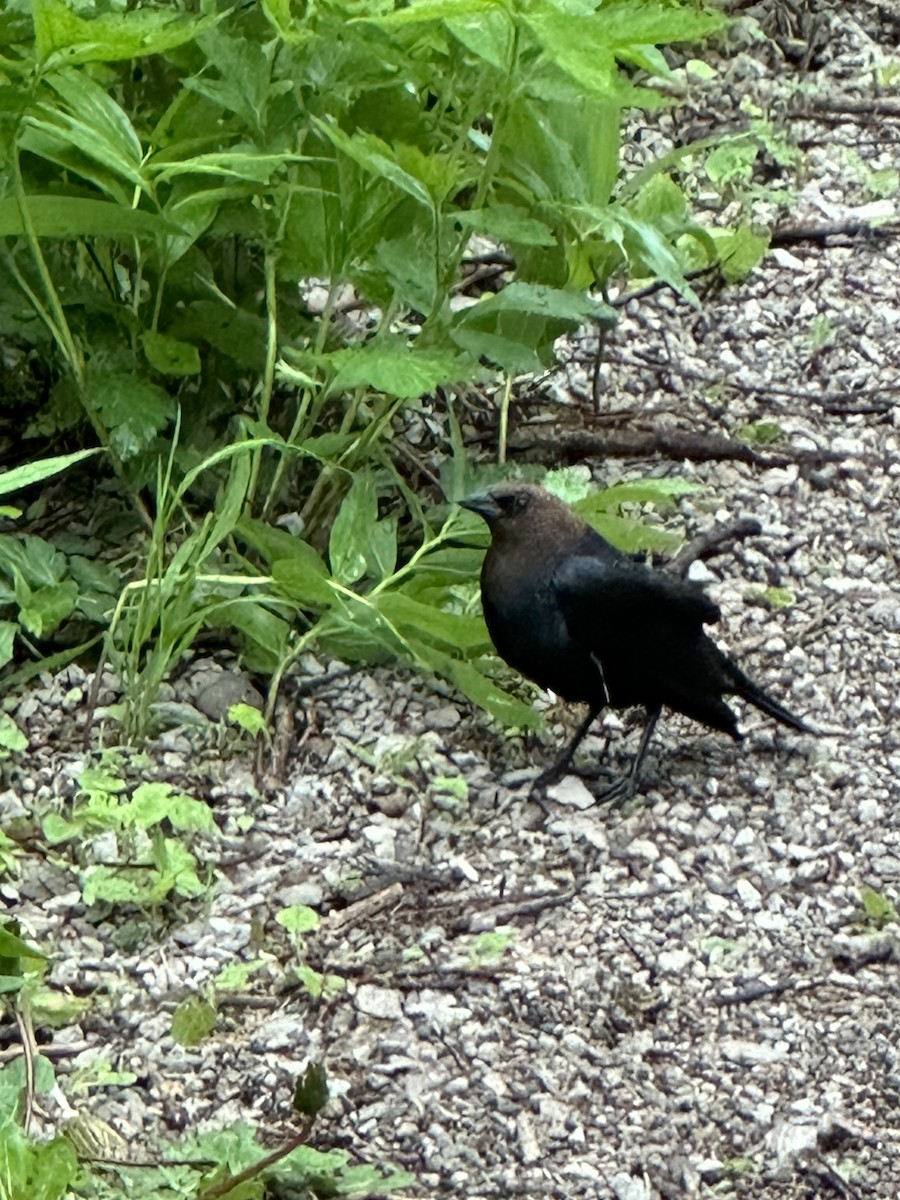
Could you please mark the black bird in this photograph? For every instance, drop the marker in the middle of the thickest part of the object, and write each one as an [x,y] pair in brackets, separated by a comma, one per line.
[589,623]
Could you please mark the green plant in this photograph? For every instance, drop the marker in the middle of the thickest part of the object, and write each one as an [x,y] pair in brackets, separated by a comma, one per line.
[878,909]
[300,920]
[150,865]
[158,222]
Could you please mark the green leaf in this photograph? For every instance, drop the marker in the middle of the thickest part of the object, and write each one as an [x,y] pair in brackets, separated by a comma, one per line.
[63,36]
[507,223]
[12,946]
[433,624]
[48,607]
[11,736]
[660,492]
[73,217]
[397,369]
[731,162]
[311,1092]
[353,529]
[878,908]
[193,1020]
[170,356]
[37,472]
[299,918]
[134,410]
[740,252]
[296,579]
[250,719]
[8,632]
[540,300]
[376,157]
[155,802]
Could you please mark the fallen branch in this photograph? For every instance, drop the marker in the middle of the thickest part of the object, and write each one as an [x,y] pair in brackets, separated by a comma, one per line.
[572,445]
[714,541]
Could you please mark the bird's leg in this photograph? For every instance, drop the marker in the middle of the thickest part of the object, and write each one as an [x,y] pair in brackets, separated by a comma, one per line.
[623,789]
[557,769]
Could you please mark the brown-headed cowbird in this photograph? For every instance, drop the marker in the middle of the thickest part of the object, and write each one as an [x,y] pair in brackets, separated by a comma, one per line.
[589,623]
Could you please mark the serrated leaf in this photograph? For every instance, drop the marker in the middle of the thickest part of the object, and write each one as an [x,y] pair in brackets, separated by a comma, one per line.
[47,608]
[134,410]
[397,370]
[64,36]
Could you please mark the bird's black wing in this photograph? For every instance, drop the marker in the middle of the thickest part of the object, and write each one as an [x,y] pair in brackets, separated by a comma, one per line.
[623,593]
[644,632]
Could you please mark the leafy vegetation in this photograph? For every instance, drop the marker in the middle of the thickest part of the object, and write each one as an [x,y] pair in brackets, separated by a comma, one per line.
[234,241]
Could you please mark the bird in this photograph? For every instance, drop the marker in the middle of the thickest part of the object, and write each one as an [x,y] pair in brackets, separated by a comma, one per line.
[581,619]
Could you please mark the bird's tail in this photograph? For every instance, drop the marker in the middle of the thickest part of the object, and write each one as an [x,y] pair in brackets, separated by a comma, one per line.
[743,686]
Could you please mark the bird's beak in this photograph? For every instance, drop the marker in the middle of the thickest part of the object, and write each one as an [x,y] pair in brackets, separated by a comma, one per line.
[485,505]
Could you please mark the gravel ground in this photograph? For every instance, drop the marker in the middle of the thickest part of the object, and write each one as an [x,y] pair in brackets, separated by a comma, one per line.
[678,999]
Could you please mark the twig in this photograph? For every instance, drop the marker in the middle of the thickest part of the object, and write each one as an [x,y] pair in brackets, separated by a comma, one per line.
[571,445]
[713,542]
[230,1182]
[26,1033]
[367,907]
[789,234]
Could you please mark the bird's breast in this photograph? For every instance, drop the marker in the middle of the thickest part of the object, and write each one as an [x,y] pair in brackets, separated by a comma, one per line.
[529,631]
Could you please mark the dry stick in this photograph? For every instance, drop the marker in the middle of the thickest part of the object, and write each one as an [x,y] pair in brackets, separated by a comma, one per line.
[714,541]
[789,234]
[572,445]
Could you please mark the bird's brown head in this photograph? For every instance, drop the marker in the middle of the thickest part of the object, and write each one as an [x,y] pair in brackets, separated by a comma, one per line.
[519,511]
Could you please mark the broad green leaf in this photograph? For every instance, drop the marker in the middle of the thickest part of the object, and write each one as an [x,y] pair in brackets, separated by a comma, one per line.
[299,918]
[740,252]
[543,301]
[61,36]
[114,885]
[397,369]
[353,529]
[381,552]
[516,358]
[304,585]
[248,718]
[487,32]
[74,217]
[155,802]
[193,1020]
[433,624]
[12,946]
[31,560]
[507,223]
[501,705]
[274,544]
[170,356]
[643,491]
[48,607]
[57,829]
